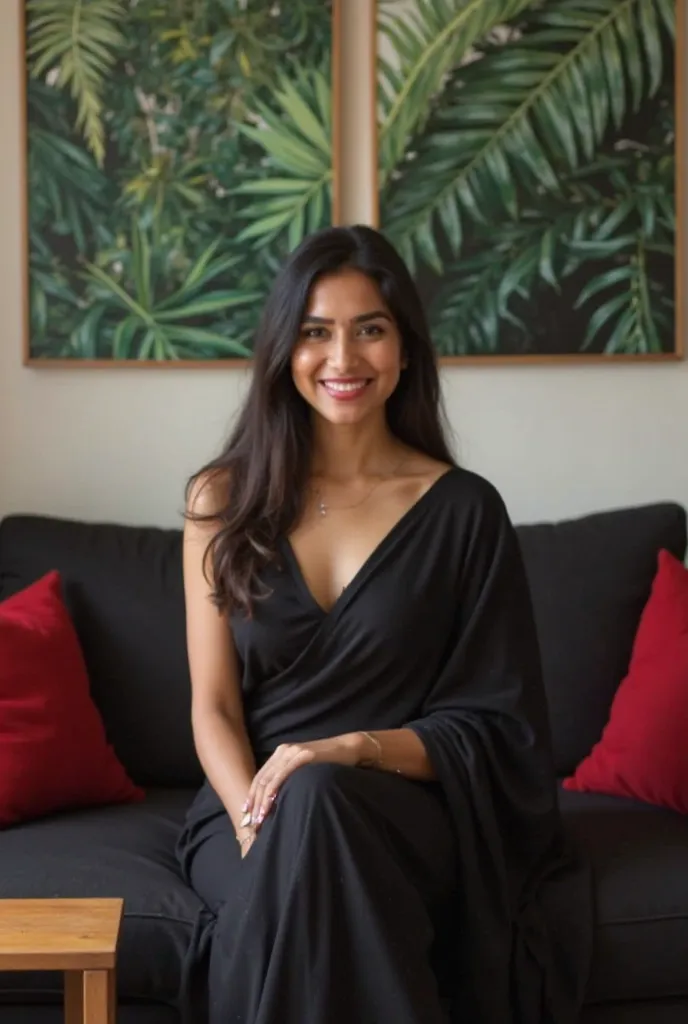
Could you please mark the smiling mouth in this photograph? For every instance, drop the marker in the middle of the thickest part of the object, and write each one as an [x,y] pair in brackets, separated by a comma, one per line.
[345,388]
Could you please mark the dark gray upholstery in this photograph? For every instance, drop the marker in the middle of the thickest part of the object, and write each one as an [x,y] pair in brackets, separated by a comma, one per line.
[123,587]
[15,1013]
[125,851]
[589,579]
[639,858]
[662,1011]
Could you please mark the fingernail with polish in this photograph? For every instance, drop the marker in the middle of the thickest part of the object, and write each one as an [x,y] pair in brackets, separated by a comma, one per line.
[246,820]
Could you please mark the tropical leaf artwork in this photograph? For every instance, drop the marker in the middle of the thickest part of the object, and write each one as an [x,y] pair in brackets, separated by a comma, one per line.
[526,166]
[177,151]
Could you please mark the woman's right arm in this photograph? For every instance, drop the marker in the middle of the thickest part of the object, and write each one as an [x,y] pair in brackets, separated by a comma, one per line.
[217,715]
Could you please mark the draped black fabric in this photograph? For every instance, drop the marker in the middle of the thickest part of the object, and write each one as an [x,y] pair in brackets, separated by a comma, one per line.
[434,633]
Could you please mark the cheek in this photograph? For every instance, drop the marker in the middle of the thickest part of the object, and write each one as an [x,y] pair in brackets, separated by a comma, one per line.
[388,358]
[303,361]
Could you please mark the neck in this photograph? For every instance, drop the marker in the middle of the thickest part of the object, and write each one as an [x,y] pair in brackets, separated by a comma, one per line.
[357,450]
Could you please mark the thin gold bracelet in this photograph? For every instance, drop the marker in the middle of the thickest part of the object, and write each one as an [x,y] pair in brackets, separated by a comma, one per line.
[366,762]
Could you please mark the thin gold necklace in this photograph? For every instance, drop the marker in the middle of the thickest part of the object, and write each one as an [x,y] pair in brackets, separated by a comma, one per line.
[324,508]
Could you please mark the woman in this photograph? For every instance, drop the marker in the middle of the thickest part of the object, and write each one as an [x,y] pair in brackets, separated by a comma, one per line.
[378,825]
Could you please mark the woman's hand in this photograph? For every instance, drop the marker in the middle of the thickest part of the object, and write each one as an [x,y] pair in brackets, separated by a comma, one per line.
[288,758]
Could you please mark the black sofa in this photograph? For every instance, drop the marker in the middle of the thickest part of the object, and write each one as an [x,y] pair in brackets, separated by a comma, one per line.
[590,579]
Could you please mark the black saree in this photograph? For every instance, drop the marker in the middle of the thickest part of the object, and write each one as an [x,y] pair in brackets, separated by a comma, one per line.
[367,896]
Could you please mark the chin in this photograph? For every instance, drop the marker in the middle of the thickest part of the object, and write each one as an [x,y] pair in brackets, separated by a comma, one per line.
[347,416]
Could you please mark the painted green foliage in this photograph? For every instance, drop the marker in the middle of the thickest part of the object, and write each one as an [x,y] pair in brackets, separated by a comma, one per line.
[177,150]
[527,170]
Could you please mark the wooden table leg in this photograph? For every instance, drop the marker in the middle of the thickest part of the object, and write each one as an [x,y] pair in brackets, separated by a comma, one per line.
[99,997]
[73,997]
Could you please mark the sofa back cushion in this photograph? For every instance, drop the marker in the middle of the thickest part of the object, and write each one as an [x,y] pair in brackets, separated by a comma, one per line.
[123,588]
[590,579]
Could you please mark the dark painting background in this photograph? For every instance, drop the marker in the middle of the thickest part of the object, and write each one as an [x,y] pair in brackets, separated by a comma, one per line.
[527,171]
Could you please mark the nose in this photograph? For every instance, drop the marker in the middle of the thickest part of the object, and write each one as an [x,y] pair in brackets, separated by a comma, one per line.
[342,354]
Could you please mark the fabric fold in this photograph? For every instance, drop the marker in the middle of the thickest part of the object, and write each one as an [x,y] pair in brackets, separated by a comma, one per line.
[484,725]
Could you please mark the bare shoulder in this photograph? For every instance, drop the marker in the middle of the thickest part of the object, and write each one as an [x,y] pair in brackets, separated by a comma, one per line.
[208,495]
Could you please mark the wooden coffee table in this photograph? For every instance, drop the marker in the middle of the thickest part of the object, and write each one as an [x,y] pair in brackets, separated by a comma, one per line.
[78,937]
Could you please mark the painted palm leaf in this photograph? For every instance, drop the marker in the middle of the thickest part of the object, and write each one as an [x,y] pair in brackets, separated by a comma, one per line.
[148,325]
[296,138]
[613,238]
[80,39]
[69,193]
[627,307]
[477,299]
[427,41]
[524,114]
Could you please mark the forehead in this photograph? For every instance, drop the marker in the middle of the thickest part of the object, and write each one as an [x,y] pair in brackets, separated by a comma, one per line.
[343,295]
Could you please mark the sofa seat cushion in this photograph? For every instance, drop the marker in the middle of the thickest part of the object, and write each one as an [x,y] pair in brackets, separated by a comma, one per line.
[638,854]
[126,851]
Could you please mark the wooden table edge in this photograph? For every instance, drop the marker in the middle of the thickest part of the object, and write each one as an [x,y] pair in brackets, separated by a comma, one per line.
[70,960]
[57,962]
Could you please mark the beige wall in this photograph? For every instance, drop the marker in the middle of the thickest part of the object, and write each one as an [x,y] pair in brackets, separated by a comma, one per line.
[118,444]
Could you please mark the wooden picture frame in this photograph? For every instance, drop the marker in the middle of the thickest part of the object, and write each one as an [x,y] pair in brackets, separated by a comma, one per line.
[98,272]
[471,175]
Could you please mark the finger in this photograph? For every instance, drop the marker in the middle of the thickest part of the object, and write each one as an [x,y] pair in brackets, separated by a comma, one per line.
[265,799]
[257,781]
[275,783]
[248,804]
[250,801]
[261,781]
[267,783]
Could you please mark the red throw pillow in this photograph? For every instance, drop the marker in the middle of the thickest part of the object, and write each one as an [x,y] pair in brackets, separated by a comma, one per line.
[643,752]
[53,751]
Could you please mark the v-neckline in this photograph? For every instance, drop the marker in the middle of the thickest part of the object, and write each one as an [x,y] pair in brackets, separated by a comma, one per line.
[364,571]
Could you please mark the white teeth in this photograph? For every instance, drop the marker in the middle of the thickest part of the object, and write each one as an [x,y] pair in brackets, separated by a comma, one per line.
[349,386]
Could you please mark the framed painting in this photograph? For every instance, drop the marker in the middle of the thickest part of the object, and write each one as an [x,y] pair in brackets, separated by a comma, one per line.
[175,152]
[530,169]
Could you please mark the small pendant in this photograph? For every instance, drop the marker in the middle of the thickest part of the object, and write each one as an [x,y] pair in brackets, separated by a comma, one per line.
[322,508]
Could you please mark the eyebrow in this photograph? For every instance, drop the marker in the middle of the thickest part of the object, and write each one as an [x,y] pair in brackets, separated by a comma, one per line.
[362,318]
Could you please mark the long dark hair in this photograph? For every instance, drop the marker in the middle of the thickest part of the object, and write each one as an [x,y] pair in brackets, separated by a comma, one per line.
[263,469]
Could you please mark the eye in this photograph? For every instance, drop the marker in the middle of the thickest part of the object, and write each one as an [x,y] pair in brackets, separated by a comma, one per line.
[313,333]
[372,330]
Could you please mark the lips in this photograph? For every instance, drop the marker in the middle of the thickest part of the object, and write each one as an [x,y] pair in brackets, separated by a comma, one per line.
[345,390]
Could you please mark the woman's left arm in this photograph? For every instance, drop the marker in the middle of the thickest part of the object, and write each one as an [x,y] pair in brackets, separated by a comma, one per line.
[393,750]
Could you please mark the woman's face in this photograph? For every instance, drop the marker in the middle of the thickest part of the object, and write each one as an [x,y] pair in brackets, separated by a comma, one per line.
[348,356]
